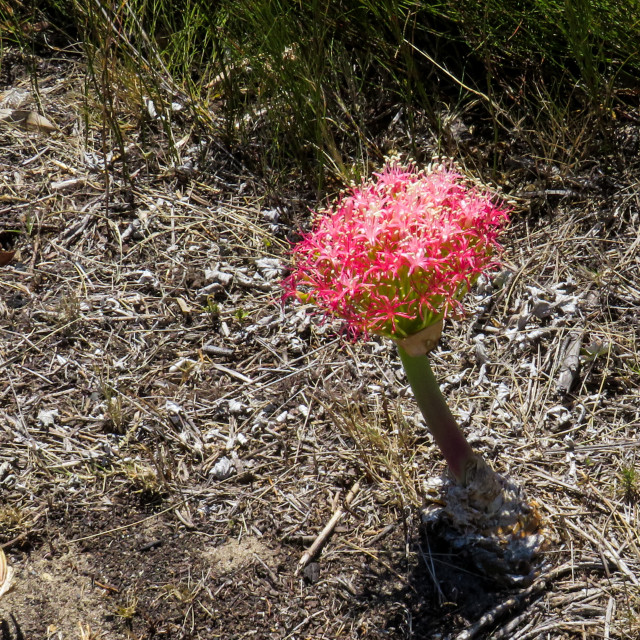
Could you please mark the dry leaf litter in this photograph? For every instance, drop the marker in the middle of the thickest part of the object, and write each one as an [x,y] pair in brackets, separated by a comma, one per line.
[173,440]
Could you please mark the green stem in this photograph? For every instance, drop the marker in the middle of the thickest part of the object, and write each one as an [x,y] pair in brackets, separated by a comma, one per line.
[443,426]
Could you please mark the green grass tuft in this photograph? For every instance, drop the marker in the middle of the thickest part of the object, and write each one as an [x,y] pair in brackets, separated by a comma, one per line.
[328,89]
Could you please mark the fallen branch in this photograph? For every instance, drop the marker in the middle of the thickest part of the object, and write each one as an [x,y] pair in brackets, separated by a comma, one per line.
[313,550]
[524,597]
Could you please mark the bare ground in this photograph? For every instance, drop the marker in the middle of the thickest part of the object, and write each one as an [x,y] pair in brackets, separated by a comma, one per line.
[173,440]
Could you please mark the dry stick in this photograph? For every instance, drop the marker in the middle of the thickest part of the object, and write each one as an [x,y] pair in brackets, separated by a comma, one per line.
[511,603]
[607,620]
[520,598]
[328,529]
[609,552]
[509,628]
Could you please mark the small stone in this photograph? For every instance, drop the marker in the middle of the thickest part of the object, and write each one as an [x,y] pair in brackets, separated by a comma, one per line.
[311,573]
[272,215]
[47,417]
[222,469]
[542,309]
[235,407]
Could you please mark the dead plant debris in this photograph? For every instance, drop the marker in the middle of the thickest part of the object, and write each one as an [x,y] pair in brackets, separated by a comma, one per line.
[173,440]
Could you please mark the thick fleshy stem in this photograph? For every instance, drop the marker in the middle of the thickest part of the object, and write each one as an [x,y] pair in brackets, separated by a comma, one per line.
[442,425]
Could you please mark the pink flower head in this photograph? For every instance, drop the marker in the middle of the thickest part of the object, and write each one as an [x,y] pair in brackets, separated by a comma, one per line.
[397,254]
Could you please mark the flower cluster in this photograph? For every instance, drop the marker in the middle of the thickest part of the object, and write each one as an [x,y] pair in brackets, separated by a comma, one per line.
[397,254]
